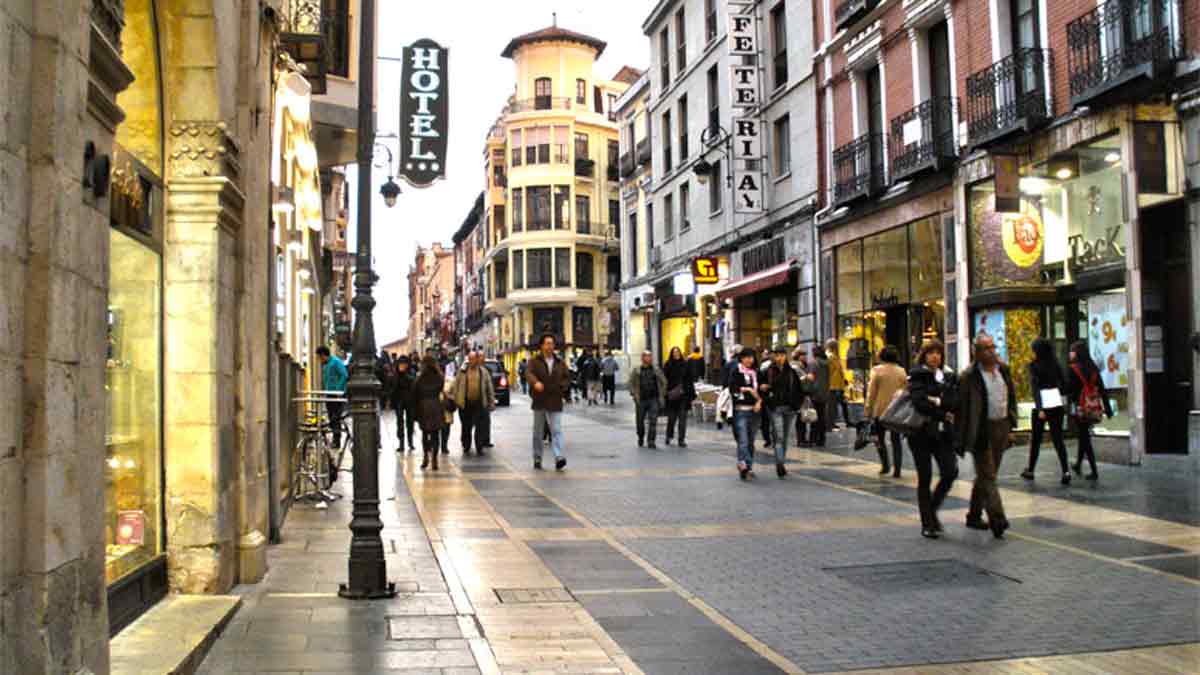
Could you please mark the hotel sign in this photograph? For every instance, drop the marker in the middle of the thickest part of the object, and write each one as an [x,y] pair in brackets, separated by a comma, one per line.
[745,91]
[424,113]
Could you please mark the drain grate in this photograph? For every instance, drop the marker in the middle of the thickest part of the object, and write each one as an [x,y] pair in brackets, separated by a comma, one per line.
[532,596]
[915,575]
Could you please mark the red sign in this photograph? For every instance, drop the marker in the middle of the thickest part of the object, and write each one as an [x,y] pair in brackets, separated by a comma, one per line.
[131,528]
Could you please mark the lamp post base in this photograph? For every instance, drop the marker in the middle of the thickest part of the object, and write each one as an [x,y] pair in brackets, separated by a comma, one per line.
[388,591]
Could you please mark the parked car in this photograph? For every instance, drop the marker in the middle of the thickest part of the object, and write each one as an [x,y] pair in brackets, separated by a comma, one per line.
[499,380]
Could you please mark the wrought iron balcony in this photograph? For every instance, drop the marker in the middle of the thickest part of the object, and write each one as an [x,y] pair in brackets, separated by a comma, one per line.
[1010,96]
[304,38]
[540,103]
[612,173]
[627,164]
[923,138]
[858,169]
[643,151]
[850,11]
[585,168]
[1120,42]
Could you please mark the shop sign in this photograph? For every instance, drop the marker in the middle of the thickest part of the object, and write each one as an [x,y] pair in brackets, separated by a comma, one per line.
[743,34]
[747,190]
[1101,251]
[683,284]
[1024,238]
[747,139]
[744,87]
[885,299]
[763,256]
[1007,178]
[131,528]
[424,113]
[705,270]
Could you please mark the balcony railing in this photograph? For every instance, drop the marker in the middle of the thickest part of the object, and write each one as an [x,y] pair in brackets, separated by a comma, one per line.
[1010,96]
[585,168]
[850,11]
[304,39]
[858,169]
[627,164]
[1119,42]
[611,172]
[923,138]
[643,151]
[540,103]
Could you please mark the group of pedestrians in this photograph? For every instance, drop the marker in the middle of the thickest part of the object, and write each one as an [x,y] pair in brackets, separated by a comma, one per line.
[429,398]
[669,389]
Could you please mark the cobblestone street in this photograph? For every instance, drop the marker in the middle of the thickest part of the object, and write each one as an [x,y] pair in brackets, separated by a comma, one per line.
[661,561]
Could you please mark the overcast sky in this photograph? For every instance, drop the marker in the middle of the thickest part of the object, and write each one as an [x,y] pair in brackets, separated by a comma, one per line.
[475,31]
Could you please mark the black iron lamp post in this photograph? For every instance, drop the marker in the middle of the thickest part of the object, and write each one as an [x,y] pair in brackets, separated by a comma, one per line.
[368,568]
[714,136]
[390,190]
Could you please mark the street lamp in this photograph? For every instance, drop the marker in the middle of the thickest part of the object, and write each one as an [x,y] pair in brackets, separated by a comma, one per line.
[367,565]
[390,190]
[711,136]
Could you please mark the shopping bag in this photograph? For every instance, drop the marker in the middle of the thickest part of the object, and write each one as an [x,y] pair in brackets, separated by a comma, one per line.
[902,416]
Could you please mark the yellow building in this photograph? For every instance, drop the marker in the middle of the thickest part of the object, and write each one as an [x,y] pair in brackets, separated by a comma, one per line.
[552,206]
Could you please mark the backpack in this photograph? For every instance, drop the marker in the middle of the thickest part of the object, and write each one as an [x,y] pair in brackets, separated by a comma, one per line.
[1090,408]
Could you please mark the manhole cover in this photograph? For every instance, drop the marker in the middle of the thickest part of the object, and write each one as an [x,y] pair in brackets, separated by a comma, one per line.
[915,575]
[529,596]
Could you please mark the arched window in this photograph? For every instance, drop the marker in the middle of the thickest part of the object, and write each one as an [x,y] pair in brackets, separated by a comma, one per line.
[541,93]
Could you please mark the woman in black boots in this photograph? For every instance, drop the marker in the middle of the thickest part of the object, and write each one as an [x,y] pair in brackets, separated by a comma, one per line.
[934,392]
[681,391]
[430,409]
[1047,379]
[1089,398]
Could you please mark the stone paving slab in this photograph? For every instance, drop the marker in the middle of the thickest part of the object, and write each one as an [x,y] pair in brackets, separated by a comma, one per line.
[591,565]
[1182,565]
[173,636]
[1088,539]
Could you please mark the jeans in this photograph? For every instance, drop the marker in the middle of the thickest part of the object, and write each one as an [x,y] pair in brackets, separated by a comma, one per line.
[593,391]
[985,496]
[472,418]
[404,422]
[764,421]
[743,425]
[335,420]
[924,449]
[609,384]
[543,420]
[677,412]
[837,397]
[1055,420]
[881,435]
[647,416]
[782,419]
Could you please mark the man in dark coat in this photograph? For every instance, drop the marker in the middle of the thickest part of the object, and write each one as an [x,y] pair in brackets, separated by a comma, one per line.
[549,384]
[404,401]
[988,414]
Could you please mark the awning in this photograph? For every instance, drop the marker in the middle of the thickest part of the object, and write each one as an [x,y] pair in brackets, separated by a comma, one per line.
[756,282]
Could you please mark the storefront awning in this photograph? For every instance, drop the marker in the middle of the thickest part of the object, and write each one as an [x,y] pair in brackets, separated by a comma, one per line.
[772,276]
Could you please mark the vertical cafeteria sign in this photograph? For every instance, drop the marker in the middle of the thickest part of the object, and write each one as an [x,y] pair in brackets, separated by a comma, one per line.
[746,131]
[423,113]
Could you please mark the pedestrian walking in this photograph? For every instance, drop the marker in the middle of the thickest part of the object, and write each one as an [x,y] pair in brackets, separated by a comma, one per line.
[1048,382]
[681,391]
[449,407]
[727,370]
[474,396]
[521,377]
[431,409]
[764,419]
[988,415]
[404,402]
[333,382]
[885,380]
[747,404]
[837,386]
[696,364]
[608,377]
[800,365]
[589,372]
[1086,392]
[783,401]
[648,387]
[818,376]
[934,392]
[549,382]
[384,372]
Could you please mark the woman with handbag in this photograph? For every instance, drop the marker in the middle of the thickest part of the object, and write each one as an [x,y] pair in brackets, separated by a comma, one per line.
[430,409]
[1047,380]
[681,391]
[886,379]
[933,390]
[747,404]
[1086,392]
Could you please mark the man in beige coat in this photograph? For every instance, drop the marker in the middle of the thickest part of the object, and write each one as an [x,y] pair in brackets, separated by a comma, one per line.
[886,379]
[474,396]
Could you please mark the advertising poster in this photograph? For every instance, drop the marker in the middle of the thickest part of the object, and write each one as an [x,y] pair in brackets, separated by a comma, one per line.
[1108,338]
[991,322]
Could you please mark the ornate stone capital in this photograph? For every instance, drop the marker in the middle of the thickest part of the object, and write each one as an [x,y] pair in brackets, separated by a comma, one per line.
[202,149]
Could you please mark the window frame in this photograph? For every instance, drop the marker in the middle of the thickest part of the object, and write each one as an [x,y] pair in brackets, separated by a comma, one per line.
[782,149]
[779,44]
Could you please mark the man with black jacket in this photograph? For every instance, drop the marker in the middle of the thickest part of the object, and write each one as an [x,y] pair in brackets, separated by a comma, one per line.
[648,387]
[404,402]
[783,397]
[549,385]
[988,414]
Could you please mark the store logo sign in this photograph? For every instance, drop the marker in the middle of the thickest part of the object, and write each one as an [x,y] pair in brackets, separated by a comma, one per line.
[745,89]
[1024,238]
[1101,251]
[424,113]
[705,270]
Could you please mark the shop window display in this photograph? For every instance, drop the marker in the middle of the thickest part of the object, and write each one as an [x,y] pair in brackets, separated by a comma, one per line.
[1108,336]
[132,384]
[1013,330]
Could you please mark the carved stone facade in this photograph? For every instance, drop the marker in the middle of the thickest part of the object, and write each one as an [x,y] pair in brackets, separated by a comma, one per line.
[203,154]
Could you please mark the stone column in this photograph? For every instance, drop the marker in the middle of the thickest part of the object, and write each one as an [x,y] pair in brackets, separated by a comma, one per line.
[204,206]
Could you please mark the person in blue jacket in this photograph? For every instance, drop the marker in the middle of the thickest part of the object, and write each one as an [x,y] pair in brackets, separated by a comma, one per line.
[333,379]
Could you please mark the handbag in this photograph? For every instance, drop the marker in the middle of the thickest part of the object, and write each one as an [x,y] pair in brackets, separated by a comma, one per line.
[808,415]
[901,415]
[675,393]
[1090,409]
